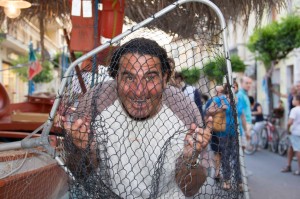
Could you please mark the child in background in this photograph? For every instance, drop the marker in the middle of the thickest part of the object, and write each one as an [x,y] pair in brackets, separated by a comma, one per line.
[294,130]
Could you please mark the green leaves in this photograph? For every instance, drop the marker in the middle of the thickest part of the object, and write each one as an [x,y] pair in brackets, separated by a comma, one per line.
[191,75]
[237,64]
[43,77]
[217,69]
[274,41]
[46,75]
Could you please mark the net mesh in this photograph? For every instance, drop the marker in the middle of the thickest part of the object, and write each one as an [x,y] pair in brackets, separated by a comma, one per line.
[31,173]
[129,127]
[137,132]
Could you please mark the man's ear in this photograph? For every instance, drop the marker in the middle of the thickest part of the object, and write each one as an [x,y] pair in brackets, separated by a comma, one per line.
[165,79]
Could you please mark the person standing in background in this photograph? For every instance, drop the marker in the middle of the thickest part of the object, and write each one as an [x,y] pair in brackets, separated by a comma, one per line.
[217,104]
[293,128]
[190,91]
[289,96]
[258,118]
[244,104]
[256,110]
[223,143]
[240,117]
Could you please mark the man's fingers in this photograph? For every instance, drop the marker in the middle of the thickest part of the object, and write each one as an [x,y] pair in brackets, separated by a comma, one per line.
[198,142]
[59,121]
[193,126]
[79,123]
[209,123]
[76,125]
[197,138]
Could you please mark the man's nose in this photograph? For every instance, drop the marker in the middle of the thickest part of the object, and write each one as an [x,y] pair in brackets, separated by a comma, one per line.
[139,88]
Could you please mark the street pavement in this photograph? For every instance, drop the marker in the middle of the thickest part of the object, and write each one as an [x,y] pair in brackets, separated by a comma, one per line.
[265,179]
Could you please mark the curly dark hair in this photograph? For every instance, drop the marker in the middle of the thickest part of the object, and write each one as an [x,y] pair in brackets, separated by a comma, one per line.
[141,46]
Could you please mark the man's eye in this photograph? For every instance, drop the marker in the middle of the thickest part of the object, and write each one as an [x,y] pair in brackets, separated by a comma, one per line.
[150,78]
[129,78]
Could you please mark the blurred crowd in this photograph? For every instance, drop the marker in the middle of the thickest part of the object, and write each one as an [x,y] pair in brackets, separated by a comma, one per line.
[250,119]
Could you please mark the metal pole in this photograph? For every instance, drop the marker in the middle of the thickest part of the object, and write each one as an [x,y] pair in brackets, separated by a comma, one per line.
[10,146]
[243,170]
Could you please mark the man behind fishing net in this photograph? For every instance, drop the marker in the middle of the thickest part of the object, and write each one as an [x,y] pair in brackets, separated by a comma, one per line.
[136,136]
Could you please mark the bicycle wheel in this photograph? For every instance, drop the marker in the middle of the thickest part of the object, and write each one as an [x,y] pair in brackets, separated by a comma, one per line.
[264,138]
[252,144]
[283,144]
[275,141]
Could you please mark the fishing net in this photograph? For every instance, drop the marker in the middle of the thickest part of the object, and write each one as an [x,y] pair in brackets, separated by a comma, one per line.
[132,130]
[129,127]
[31,173]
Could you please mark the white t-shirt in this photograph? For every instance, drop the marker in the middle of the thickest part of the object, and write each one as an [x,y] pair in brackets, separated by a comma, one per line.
[134,147]
[295,114]
[190,91]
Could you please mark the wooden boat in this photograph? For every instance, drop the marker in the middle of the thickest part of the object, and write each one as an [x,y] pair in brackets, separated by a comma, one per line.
[25,116]
[33,175]
[23,174]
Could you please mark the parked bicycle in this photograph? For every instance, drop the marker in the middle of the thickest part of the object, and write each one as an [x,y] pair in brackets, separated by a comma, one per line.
[270,135]
[256,140]
[284,143]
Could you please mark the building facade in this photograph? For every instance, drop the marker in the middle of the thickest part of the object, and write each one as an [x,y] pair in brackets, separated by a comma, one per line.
[287,71]
[15,40]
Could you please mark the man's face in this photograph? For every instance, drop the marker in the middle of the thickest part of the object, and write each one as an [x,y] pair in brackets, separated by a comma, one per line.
[293,90]
[140,84]
[247,83]
[295,102]
[178,81]
[235,87]
[219,90]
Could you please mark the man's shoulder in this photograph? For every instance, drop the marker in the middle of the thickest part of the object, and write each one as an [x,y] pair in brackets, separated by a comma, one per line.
[296,109]
[181,105]
[105,94]
[240,93]
[173,92]
[219,99]
[190,86]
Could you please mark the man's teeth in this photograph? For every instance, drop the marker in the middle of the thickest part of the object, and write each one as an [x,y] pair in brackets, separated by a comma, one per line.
[138,101]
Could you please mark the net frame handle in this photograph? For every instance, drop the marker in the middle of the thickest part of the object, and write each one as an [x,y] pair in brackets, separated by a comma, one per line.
[165,10]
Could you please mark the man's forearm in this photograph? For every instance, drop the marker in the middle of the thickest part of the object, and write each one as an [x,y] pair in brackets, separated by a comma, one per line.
[189,177]
[244,123]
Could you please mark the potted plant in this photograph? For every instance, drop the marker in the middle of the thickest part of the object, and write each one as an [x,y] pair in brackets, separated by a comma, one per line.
[191,75]
[216,69]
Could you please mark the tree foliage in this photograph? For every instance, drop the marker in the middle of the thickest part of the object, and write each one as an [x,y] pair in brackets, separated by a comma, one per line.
[191,75]
[217,69]
[57,57]
[274,41]
[45,76]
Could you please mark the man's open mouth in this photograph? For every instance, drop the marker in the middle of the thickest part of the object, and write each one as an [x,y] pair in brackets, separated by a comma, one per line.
[139,103]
